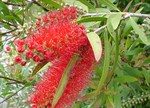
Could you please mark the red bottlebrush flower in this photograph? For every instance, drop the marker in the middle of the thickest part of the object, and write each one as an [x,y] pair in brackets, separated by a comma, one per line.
[29,54]
[47,86]
[49,55]
[80,75]
[56,38]
[18,59]
[40,49]
[23,63]
[8,48]
[36,58]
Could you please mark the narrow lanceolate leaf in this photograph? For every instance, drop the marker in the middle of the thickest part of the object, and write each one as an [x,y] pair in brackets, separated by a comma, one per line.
[109,4]
[92,19]
[115,20]
[78,3]
[139,31]
[106,63]
[126,79]
[52,3]
[96,44]
[64,80]
[87,3]
[38,68]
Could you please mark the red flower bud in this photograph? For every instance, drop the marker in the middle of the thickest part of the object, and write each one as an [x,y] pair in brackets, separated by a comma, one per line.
[8,48]
[23,63]
[18,59]
[29,54]
[36,58]
[21,49]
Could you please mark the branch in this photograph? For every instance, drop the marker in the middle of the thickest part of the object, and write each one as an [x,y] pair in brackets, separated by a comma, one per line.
[8,23]
[101,28]
[9,3]
[12,79]
[8,32]
[127,14]
[12,95]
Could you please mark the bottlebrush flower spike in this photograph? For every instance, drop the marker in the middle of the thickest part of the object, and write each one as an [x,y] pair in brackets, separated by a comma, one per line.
[57,38]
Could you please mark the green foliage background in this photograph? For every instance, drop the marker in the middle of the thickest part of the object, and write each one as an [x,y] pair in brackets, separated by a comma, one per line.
[121,80]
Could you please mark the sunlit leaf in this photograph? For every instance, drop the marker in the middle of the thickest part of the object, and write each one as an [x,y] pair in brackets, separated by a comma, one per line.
[95,42]
[115,20]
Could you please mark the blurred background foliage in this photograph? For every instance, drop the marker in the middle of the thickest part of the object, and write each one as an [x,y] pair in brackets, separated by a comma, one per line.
[121,80]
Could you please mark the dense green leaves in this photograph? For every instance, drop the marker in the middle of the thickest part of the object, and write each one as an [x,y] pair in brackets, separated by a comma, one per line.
[137,30]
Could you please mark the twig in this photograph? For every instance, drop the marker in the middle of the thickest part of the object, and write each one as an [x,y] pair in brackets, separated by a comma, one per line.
[8,23]
[12,79]
[10,37]
[9,3]
[37,3]
[99,29]
[127,14]
[8,32]
[12,95]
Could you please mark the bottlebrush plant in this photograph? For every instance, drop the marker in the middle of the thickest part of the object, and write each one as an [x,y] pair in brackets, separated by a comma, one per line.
[57,38]
[74,54]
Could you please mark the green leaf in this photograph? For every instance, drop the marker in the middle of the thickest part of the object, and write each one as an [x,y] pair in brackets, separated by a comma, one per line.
[146,74]
[128,26]
[37,68]
[134,51]
[1,67]
[132,71]
[126,79]
[4,8]
[87,3]
[91,19]
[139,31]
[64,80]
[109,102]
[106,63]
[117,97]
[52,3]
[77,3]
[17,18]
[110,27]
[115,20]
[147,61]
[109,4]
[96,45]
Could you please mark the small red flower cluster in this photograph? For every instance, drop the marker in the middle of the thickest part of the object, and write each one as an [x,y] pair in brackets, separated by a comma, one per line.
[57,38]
[56,33]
